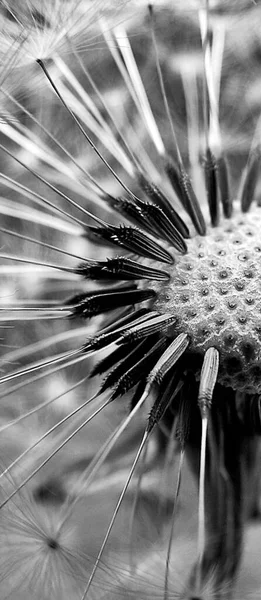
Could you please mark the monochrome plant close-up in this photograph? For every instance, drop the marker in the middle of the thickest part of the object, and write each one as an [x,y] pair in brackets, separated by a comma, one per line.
[130,302]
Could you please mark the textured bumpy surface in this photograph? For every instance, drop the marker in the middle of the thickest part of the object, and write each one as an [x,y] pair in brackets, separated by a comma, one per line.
[215,292]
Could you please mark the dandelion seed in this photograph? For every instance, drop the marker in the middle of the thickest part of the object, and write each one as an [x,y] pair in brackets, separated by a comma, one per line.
[32,560]
[47,26]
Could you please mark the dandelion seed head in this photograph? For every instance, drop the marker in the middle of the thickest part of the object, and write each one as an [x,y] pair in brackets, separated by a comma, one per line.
[201,306]
[214,291]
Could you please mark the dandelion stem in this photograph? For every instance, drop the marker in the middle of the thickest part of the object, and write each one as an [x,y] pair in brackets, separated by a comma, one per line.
[54,189]
[13,209]
[201,504]
[143,442]
[47,433]
[43,244]
[48,372]
[38,408]
[43,463]
[36,262]
[86,136]
[138,92]
[41,345]
[166,584]
[162,86]
[120,155]
[134,508]
[109,113]
[90,178]
[208,378]
[206,57]
[39,365]
[92,469]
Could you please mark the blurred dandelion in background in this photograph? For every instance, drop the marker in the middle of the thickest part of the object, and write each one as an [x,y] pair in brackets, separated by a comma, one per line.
[129,305]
